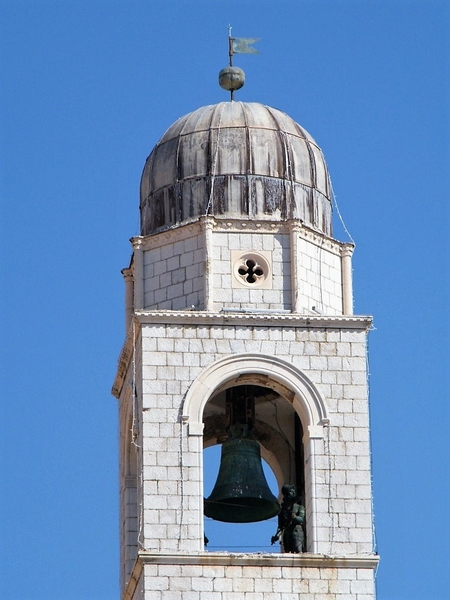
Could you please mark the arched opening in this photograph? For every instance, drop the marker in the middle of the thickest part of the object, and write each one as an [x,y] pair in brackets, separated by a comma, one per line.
[306,408]
[278,430]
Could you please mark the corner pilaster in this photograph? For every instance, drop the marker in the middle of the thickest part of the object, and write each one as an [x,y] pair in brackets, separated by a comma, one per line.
[138,247]
[347,278]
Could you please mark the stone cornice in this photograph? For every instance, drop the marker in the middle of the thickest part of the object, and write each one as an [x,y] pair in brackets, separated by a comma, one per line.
[253,319]
[127,273]
[318,561]
[138,243]
[366,561]
[124,360]
[176,234]
[347,249]
[195,227]
[316,237]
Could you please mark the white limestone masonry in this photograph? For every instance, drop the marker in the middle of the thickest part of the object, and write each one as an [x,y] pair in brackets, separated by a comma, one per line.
[236,282]
[266,577]
[169,446]
[176,271]
[334,361]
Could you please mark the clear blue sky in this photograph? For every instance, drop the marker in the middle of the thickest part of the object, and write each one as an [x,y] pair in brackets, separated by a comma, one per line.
[88,87]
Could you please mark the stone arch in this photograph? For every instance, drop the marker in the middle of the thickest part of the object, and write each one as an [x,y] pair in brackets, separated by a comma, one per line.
[268,371]
[290,383]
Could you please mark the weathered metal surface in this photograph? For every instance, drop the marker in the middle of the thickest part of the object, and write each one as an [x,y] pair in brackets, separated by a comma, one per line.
[235,159]
[241,493]
[231,78]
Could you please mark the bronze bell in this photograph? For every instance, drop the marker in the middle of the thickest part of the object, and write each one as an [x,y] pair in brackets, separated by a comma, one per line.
[241,493]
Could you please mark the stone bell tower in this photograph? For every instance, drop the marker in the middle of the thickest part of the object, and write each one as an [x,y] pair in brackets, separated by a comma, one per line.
[237,289]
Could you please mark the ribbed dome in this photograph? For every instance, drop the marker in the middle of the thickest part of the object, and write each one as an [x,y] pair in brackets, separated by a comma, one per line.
[235,159]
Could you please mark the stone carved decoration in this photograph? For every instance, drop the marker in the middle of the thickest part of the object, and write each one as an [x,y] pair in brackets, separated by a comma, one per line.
[291,521]
[251,269]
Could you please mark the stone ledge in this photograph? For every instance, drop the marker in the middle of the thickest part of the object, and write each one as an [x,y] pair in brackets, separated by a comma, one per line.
[369,561]
[196,226]
[253,317]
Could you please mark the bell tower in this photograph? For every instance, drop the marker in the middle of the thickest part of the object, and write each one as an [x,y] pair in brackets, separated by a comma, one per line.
[240,332]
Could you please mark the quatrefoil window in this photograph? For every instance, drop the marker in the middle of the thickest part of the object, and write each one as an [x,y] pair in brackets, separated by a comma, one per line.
[251,269]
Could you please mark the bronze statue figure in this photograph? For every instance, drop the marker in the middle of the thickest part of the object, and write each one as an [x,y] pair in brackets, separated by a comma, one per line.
[290,522]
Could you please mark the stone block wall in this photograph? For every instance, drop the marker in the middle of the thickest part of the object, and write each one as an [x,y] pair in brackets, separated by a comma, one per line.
[188,268]
[319,275]
[174,272]
[337,465]
[253,582]
[226,294]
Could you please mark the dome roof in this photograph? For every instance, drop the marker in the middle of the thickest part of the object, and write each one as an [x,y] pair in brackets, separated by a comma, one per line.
[235,160]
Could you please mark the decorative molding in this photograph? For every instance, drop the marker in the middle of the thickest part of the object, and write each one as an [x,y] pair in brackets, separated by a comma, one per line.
[318,238]
[127,273]
[283,377]
[254,318]
[196,227]
[124,360]
[138,242]
[265,226]
[208,222]
[319,561]
[175,234]
[347,249]
[262,261]
[250,226]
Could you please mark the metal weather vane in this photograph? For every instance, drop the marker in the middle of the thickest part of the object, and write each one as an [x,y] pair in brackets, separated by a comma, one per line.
[233,78]
[240,45]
